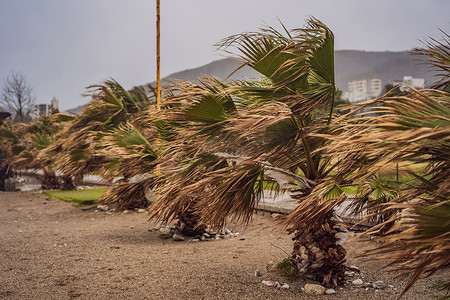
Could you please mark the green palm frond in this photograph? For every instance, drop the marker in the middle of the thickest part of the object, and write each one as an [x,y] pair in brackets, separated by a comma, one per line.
[8,134]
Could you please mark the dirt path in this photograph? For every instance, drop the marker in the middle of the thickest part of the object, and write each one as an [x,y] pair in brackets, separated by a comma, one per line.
[51,250]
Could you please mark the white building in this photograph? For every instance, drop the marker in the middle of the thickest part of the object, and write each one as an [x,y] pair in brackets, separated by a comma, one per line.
[44,109]
[359,90]
[416,83]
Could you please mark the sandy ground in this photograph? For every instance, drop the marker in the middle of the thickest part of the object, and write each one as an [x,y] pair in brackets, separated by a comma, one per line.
[52,250]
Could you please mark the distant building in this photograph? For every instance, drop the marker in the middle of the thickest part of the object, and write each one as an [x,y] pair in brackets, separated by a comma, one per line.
[359,90]
[416,83]
[45,109]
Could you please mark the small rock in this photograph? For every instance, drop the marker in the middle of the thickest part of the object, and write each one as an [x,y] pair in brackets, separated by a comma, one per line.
[20,231]
[257,273]
[242,238]
[195,240]
[114,247]
[226,231]
[330,292]
[178,237]
[357,282]
[165,233]
[102,207]
[354,269]
[141,210]
[314,289]
[165,252]
[278,286]
[131,227]
[390,286]
[285,286]
[349,273]
[206,235]
[275,215]
[125,211]
[271,266]
[202,238]
[235,256]
[269,282]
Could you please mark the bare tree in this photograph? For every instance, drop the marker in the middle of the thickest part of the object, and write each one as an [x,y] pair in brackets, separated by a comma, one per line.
[17,97]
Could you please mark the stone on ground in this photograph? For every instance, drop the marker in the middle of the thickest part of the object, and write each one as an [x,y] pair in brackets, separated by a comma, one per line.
[314,289]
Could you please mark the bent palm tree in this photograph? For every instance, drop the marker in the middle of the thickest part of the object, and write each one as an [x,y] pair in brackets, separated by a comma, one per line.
[233,137]
[414,128]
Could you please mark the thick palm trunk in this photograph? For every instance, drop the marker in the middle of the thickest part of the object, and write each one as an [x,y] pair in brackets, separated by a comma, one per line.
[68,184]
[317,252]
[189,223]
[50,181]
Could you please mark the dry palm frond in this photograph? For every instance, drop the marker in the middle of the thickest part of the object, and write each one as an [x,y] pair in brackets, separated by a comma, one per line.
[129,195]
[413,127]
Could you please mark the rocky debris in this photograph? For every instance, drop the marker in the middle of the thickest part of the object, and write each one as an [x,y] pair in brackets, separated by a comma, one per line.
[178,237]
[357,282]
[314,289]
[165,233]
[269,282]
[354,269]
[379,285]
[102,207]
[330,292]
[285,286]
[257,273]
[349,273]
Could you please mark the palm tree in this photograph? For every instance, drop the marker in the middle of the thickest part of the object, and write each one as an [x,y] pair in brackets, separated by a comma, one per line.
[233,138]
[78,153]
[414,128]
[105,140]
[25,142]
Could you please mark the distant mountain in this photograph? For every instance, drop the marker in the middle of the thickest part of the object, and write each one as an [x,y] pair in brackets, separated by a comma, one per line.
[349,65]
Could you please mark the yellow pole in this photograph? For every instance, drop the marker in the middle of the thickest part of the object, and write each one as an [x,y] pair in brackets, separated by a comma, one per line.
[158,68]
[158,56]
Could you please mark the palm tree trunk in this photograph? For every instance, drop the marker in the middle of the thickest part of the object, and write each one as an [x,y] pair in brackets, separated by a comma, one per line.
[189,222]
[50,181]
[317,252]
[68,184]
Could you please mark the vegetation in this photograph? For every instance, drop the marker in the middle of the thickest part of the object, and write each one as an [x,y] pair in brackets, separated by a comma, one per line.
[413,127]
[86,196]
[219,144]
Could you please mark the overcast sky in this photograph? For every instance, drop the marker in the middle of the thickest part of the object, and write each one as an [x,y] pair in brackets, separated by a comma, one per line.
[62,46]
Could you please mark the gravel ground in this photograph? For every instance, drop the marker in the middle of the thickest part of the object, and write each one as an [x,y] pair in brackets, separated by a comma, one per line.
[52,250]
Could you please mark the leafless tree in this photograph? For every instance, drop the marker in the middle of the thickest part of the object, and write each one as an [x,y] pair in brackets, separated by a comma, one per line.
[17,97]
